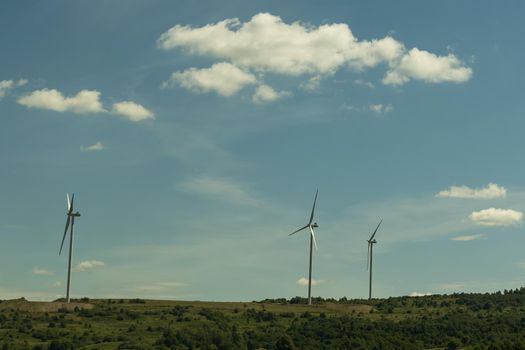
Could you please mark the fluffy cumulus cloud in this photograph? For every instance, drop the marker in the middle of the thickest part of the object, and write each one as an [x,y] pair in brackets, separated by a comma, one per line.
[223,78]
[496,217]
[426,66]
[265,93]
[86,101]
[6,85]
[491,191]
[132,111]
[88,265]
[267,44]
[99,146]
[303,281]
[221,188]
[468,238]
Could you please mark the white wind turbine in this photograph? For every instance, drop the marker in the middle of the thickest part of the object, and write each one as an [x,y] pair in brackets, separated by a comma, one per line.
[311,226]
[371,243]
[70,222]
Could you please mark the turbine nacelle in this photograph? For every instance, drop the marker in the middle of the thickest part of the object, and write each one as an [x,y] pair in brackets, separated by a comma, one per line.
[73,214]
[314,225]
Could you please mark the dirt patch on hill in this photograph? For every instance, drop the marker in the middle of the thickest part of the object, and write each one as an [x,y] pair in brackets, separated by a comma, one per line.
[41,306]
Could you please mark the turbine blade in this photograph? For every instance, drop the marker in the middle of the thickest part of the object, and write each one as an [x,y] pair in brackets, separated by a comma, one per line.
[72,200]
[313,237]
[302,228]
[65,232]
[375,231]
[313,208]
[68,202]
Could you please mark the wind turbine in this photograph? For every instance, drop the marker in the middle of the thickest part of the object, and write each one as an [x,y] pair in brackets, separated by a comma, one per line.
[70,223]
[311,226]
[371,243]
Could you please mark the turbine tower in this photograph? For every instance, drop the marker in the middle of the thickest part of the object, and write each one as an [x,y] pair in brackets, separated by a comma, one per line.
[70,223]
[311,226]
[371,243]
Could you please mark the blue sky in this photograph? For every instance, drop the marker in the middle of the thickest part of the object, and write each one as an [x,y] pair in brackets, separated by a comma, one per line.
[194,135]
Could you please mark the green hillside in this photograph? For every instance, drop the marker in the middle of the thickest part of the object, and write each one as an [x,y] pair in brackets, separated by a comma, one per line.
[459,321]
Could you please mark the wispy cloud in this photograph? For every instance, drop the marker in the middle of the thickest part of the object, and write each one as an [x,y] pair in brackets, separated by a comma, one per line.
[490,192]
[161,286]
[6,85]
[41,271]
[419,294]
[303,281]
[362,82]
[381,108]
[99,146]
[220,188]
[496,217]
[468,238]
[88,265]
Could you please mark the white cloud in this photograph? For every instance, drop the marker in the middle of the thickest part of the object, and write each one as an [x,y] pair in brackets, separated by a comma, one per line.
[99,146]
[132,111]
[221,188]
[418,294]
[303,281]
[223,78]
[380,108]
[6,85]
[312,84]
[86,101]
[265,93]
[266,43]
[57,284]
[426,66]
[88,265]
[496,217]
[491,191]
[468,238]
[41,271]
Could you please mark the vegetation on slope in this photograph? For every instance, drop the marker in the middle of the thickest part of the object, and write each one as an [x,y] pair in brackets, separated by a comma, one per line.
[459,321]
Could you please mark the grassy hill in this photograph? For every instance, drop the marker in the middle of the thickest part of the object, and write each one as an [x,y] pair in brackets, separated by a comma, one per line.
[459,321]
